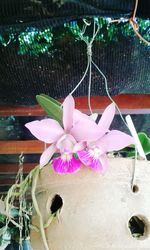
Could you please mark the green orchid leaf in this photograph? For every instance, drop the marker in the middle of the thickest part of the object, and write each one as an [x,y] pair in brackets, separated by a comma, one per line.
[145,142]
[51,107]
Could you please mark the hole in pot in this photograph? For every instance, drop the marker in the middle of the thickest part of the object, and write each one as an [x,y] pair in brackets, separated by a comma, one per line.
[138,227]
[56,204]
[135,189]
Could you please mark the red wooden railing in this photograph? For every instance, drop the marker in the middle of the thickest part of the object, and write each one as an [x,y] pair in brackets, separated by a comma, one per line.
[128,104]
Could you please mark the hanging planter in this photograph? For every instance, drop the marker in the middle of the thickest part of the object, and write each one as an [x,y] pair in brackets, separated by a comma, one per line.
[95,211]
[78,191]
[74,200]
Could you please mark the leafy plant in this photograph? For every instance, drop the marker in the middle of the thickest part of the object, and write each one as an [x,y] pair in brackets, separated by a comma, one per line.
[51,106]
[145,142]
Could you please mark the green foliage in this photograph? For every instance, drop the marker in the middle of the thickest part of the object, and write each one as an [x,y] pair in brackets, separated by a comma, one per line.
[109,31]
[51,107]
[145,142]
[35,41]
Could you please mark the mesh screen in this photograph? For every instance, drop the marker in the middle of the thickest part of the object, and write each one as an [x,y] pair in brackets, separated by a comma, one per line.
[24,11]
[125,62]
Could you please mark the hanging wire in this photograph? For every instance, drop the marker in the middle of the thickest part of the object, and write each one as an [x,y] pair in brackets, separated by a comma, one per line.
[89,51]
[108,94]
[133,23]
[134,169]
[89,86]
[138,146]
[89,56]
[89,68]
[84,75]
[135,9]
[81,35]
[135,28]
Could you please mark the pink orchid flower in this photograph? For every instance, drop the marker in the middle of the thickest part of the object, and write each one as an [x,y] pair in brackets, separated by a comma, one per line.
[95,154]
[63,140]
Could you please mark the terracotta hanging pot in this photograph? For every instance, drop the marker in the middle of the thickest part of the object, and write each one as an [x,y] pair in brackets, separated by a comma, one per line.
[98,212]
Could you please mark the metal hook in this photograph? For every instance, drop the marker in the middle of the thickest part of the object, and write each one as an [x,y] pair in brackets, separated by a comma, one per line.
[87,22]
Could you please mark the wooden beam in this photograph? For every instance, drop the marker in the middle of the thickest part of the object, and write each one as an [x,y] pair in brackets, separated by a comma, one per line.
[14,110]
[16,147]
[10,175]
[4,189]
[128,103]
[10,168]
[7,181]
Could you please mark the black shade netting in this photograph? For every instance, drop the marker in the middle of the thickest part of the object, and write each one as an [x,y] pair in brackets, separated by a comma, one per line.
[32,63]
[24,11]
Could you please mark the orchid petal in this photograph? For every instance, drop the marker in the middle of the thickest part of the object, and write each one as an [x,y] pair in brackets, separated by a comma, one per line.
[106,118]
[68,108]
[115,140]
[85,157]
[85,130]
[46,156]
[63,167]
[78,116]
[89,161]
[66,143]
[79,146]
[47,130]
[96,165]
